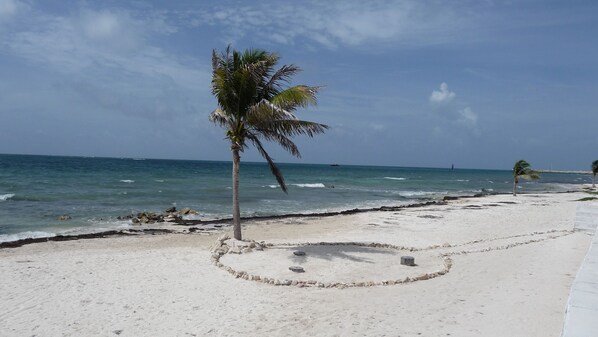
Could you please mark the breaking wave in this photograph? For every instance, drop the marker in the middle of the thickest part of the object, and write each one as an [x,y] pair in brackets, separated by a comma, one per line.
[4,197]
[316,185]
[25,235]
[395,178]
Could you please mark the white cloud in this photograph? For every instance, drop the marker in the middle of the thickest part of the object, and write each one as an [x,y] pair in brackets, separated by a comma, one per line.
[107,57]
[444,103]
[331,23]
[101,25]
[468,117]
[377,126]
[443,96]
[8,8]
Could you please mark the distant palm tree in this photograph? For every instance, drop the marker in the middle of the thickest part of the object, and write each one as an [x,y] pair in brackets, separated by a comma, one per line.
[254,106]
[594,172]
[523,170]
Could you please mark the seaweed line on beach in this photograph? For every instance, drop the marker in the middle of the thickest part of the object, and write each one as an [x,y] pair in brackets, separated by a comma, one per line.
[189,223]
[153,231]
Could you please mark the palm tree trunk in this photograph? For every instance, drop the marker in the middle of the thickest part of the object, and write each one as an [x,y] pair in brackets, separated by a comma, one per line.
[514,187]
[236,209]
[594,181]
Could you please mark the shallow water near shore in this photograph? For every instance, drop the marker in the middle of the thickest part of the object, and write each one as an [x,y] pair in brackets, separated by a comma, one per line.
[36,190]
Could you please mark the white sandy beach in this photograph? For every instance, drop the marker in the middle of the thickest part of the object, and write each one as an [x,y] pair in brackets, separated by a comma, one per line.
[513,262]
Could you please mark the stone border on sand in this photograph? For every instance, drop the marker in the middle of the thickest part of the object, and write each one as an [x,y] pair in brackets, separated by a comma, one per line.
[226,245]
[222,247]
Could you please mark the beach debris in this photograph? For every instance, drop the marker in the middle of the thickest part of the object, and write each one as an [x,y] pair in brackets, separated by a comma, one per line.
[171,214]
[428,216]
[299,253]
[147,218]
[173,217]
[187,210]
[64,217]
[296,269]
[408,260]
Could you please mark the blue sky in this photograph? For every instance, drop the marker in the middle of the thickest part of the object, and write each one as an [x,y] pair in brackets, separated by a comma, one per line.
[479,84]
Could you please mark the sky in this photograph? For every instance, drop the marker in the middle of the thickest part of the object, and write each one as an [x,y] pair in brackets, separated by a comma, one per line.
[477,84]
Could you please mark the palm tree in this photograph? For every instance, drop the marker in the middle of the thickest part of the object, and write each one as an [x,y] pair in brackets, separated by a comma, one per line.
[254,106]
[594,172]
[523,170]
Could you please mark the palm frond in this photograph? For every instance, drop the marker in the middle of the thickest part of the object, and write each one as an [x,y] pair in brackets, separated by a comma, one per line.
[296,97]
[522,169]
[292,127]
[273,168]
[284,142]
[595,167]
[219,117]
[274,85]
[264,110]
[533,175]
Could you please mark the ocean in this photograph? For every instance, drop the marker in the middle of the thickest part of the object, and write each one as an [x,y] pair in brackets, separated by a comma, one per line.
[94,192]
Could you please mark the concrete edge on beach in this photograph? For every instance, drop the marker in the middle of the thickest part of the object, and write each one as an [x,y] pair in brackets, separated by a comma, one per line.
[582,305]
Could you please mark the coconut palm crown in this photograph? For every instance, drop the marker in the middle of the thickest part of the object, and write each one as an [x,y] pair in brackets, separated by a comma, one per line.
[594,172]
[523,170]
[254,106]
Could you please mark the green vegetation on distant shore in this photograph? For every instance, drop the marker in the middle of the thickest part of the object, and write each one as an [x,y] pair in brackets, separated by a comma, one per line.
[587,199]
[254,106]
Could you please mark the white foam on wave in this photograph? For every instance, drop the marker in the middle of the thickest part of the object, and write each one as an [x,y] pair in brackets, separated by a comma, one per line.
[4,197]
[408,194]
[395,178]
[25,235]
[159,180]
[193,217]
[127,181]
[316,185]
[462,180]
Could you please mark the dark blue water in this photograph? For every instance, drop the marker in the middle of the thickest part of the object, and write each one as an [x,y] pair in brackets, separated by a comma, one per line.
[36,190]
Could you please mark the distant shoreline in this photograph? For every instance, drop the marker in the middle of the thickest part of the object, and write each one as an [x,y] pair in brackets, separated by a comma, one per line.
[565,171]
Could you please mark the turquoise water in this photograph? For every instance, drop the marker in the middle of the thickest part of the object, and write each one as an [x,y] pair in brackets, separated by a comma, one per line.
[36,190]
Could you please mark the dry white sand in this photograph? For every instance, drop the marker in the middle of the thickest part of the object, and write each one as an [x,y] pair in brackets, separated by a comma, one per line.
[511,282]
